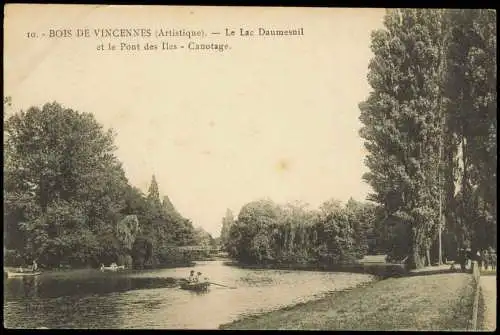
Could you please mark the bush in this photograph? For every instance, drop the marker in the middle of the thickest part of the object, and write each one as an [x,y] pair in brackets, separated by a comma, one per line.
[173,256]
[12,258]
[125,260]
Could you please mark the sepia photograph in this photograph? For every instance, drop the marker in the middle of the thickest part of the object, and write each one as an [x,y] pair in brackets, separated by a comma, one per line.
[249,168]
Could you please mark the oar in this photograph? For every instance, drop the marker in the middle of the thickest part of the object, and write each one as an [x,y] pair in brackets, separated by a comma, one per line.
[223,285]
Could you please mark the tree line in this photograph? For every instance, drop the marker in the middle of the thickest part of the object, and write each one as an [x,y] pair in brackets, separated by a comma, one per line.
[266,233]
[430,130]
[429,126]
[68,202]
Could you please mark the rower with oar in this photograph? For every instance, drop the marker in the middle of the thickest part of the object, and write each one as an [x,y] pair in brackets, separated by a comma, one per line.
[191,277]
[206,280]
[231,287]
[196,279]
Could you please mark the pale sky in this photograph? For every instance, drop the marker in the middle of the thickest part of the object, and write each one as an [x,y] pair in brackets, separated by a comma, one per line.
[270,118]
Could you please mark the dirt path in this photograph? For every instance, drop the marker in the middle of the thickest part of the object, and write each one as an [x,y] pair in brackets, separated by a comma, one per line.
[489,289]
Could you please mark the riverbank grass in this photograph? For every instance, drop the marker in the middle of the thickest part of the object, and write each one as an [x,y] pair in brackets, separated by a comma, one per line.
[426,302]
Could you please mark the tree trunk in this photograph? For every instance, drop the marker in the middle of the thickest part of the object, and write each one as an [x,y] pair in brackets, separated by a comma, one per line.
[440,252]
[415,261]
[428,255]
[449,210]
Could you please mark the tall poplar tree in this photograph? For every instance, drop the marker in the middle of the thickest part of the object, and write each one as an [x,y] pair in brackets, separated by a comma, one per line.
[153,192]
[470,89]
[403,123]
[227,222]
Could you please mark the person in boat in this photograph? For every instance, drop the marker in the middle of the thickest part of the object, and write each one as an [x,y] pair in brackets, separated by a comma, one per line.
[34,267]
[198,277]
[191,278]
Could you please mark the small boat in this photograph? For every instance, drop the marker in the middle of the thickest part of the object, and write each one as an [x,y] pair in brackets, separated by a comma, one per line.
[203,286]
[112,267]
[11,274]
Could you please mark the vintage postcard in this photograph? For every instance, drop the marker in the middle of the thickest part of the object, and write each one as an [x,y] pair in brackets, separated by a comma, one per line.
[170,167]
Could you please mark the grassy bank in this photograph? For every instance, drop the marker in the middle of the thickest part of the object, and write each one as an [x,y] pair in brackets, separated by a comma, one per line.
[427,302]
[486,318]
[481,311]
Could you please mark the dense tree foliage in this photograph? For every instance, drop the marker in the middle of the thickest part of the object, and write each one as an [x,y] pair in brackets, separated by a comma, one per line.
[471,108]
[67,199]
[430,129]
[429,126]
[267,233]
[402,123]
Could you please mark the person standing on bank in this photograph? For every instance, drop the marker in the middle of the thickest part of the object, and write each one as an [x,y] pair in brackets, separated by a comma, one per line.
[462,259]
[485,259]
[479,259]
[469,257]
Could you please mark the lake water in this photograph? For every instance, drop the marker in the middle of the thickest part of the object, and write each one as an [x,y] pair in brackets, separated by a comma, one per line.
[146,299]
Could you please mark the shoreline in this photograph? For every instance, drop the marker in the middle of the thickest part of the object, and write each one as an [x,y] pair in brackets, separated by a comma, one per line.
[423,302]
[190,263]
[378,269]
[67,269]
[327,295]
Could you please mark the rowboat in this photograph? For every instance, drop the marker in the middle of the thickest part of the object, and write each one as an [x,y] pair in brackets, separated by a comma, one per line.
[113,267]
[11,274]
[195,286]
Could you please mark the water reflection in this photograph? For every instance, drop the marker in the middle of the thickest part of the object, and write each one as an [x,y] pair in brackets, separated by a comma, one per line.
[151,299]
[26,287]
[55,287]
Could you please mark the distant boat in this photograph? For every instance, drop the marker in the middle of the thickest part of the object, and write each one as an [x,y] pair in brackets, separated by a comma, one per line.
[11,274]
[112,267]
